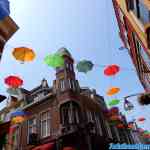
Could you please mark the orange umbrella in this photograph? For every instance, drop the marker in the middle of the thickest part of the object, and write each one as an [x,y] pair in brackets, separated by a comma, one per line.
[121,126]
[112,91]
[115,117]
[18,119]
[23,54]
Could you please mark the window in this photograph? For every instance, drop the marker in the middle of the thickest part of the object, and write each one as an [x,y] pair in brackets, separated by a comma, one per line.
[32,129]
[144,13]
[121,15]
[69,113]
[98,124]
[62,85]
[140,10]
[45,124]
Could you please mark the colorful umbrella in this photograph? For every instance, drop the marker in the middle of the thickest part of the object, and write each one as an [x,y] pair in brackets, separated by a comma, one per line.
[114,110]
[13,81]
[121,126]
[14,91]
[128,105]
[23,54]
[18,113]
[111,70]
[112,91]
[4,9]
[141,119]
[54,60]
[18,119]
[115,118]
[113,102]
[84,66]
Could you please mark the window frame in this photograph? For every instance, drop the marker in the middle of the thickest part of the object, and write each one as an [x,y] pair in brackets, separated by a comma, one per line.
[48,123]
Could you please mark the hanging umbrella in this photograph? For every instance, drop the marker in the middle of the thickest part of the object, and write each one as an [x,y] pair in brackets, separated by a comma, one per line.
[111,70]
[128,105]
[4,9]
[13,81]
[114,102]
[141,119]
[23,54]
[84,66]
[114,110]
[18,119]
[13,91]
[54,60]
[115,118]
[18,113]
[112,91]
[121,126]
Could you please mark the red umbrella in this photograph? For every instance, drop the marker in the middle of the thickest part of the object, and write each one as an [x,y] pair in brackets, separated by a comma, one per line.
[13,81]
[141,119]
[111,70]
[114,110]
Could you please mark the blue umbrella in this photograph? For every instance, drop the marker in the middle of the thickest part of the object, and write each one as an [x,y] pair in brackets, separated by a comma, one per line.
[18,113]
[4,9]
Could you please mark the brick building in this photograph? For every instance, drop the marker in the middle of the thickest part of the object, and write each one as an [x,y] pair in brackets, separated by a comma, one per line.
[65,115]
[134,30]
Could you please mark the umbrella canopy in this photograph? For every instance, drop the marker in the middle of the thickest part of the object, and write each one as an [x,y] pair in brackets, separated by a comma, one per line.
[18,119]
[23,54]
[84,66]
[54,60]
[112,91]
[18,113]
[121,126]
[141,119]
[128,105]
[13,81]
[114,102]
[4,9]
[115,118]
[114,110]
[111,70]
[14,91]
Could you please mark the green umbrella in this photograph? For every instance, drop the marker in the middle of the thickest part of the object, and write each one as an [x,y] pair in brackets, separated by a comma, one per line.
[114,102]
[13,91]
[54,60]
[84,66]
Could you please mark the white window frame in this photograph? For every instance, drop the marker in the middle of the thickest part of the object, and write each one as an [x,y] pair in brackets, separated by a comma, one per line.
[48,123]
[33,126]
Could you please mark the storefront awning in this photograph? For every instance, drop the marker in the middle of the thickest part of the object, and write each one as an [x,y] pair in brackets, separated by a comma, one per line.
[48,146]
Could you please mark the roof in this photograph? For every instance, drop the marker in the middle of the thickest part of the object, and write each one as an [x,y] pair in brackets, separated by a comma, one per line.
[64,52]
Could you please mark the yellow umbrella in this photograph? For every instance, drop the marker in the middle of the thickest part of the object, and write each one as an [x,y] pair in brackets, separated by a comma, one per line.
[23,54]
[18,119]
[113,91]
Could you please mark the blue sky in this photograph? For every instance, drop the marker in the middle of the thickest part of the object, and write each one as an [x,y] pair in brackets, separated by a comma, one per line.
[88,29]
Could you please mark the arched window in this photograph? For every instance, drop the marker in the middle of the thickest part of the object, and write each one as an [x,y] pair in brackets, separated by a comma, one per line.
[69,113]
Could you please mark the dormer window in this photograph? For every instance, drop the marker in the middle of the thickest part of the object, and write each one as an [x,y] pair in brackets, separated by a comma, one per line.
[44,83]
